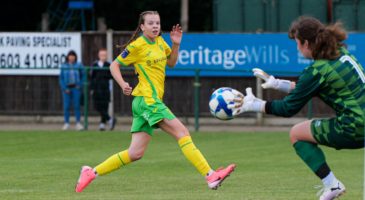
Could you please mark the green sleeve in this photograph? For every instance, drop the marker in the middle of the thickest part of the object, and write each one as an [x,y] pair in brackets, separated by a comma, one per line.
[307,86]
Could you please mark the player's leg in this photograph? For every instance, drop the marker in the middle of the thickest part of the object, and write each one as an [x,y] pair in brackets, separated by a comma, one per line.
[302,132]
[135,152]
[306,147]
[176,129]
[66,109]
[140,138]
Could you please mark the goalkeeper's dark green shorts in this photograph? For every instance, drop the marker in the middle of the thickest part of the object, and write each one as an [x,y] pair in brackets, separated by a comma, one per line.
[332,133]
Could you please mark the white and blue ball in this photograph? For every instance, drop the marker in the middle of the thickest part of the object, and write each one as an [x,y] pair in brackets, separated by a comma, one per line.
[219,101]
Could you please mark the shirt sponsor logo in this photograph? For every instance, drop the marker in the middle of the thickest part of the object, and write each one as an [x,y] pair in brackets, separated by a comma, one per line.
[156,61]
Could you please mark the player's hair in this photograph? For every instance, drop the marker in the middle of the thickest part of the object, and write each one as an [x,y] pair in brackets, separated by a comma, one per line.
[324,40]
[71,53]
[102,49]
[138,29]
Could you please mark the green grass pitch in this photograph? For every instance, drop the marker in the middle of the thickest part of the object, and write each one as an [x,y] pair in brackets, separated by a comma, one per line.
[45,165]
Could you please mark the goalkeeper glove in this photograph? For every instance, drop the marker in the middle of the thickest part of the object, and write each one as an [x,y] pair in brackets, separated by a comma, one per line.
[271,81]
[248,103]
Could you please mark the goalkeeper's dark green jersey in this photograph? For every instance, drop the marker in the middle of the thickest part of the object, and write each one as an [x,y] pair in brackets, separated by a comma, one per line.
[339,83]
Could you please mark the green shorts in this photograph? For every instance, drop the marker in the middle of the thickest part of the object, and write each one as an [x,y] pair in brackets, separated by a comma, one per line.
[331,133]
[146,117]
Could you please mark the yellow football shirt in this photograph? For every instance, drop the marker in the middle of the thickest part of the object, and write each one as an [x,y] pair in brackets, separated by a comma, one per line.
[149,59]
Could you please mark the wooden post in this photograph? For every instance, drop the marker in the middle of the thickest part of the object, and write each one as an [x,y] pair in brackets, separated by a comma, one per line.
[45,22]
[185,15]
[109,47]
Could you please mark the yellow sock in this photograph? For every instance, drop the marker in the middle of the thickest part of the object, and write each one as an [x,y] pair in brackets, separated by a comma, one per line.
[194,155]
[113,162]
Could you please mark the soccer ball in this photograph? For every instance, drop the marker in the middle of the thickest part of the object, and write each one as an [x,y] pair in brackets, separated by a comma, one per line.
[220,99]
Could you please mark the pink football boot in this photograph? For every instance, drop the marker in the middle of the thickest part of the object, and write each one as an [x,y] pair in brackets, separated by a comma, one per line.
[86,176]
[216,178]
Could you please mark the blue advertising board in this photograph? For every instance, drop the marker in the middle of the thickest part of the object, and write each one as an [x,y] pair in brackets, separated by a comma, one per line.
[237,54]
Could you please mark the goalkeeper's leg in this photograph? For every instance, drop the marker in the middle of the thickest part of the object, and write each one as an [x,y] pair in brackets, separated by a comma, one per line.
[307,149]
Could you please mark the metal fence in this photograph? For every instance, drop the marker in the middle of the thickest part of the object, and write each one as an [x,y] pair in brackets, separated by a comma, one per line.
[185,96]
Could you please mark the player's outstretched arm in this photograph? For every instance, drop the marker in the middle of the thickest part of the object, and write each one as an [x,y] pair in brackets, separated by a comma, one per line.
[248,103]
[272,82]
[175,36]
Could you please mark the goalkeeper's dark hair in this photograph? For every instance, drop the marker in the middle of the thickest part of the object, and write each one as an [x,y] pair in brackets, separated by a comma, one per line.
[324,40]
[138,30]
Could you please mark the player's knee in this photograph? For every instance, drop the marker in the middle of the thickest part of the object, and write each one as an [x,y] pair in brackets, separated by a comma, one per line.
[293,135]
[136,155]
[183,132]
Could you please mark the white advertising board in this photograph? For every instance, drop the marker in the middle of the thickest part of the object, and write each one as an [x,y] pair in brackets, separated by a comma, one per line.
[29,53]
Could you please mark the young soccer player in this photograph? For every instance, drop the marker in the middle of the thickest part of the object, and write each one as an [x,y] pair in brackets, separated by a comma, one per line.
[149,54]
[338,79]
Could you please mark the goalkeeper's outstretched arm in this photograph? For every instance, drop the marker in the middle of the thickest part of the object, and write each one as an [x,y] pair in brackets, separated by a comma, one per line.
[272,82]
[307,87]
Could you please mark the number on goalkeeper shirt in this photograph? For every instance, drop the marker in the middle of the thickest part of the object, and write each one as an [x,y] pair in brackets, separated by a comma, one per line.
[356,66]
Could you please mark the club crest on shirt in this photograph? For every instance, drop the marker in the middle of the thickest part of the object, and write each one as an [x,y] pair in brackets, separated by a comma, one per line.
[148,53]
[125,53]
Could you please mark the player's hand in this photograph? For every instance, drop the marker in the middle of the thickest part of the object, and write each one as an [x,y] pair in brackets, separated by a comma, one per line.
[248,103]
[127,90]
[251,103]
[237,94]
[176,34]
[271,82]
[67,91]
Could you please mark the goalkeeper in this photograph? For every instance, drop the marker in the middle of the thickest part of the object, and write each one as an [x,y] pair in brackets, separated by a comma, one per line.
[337,78]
